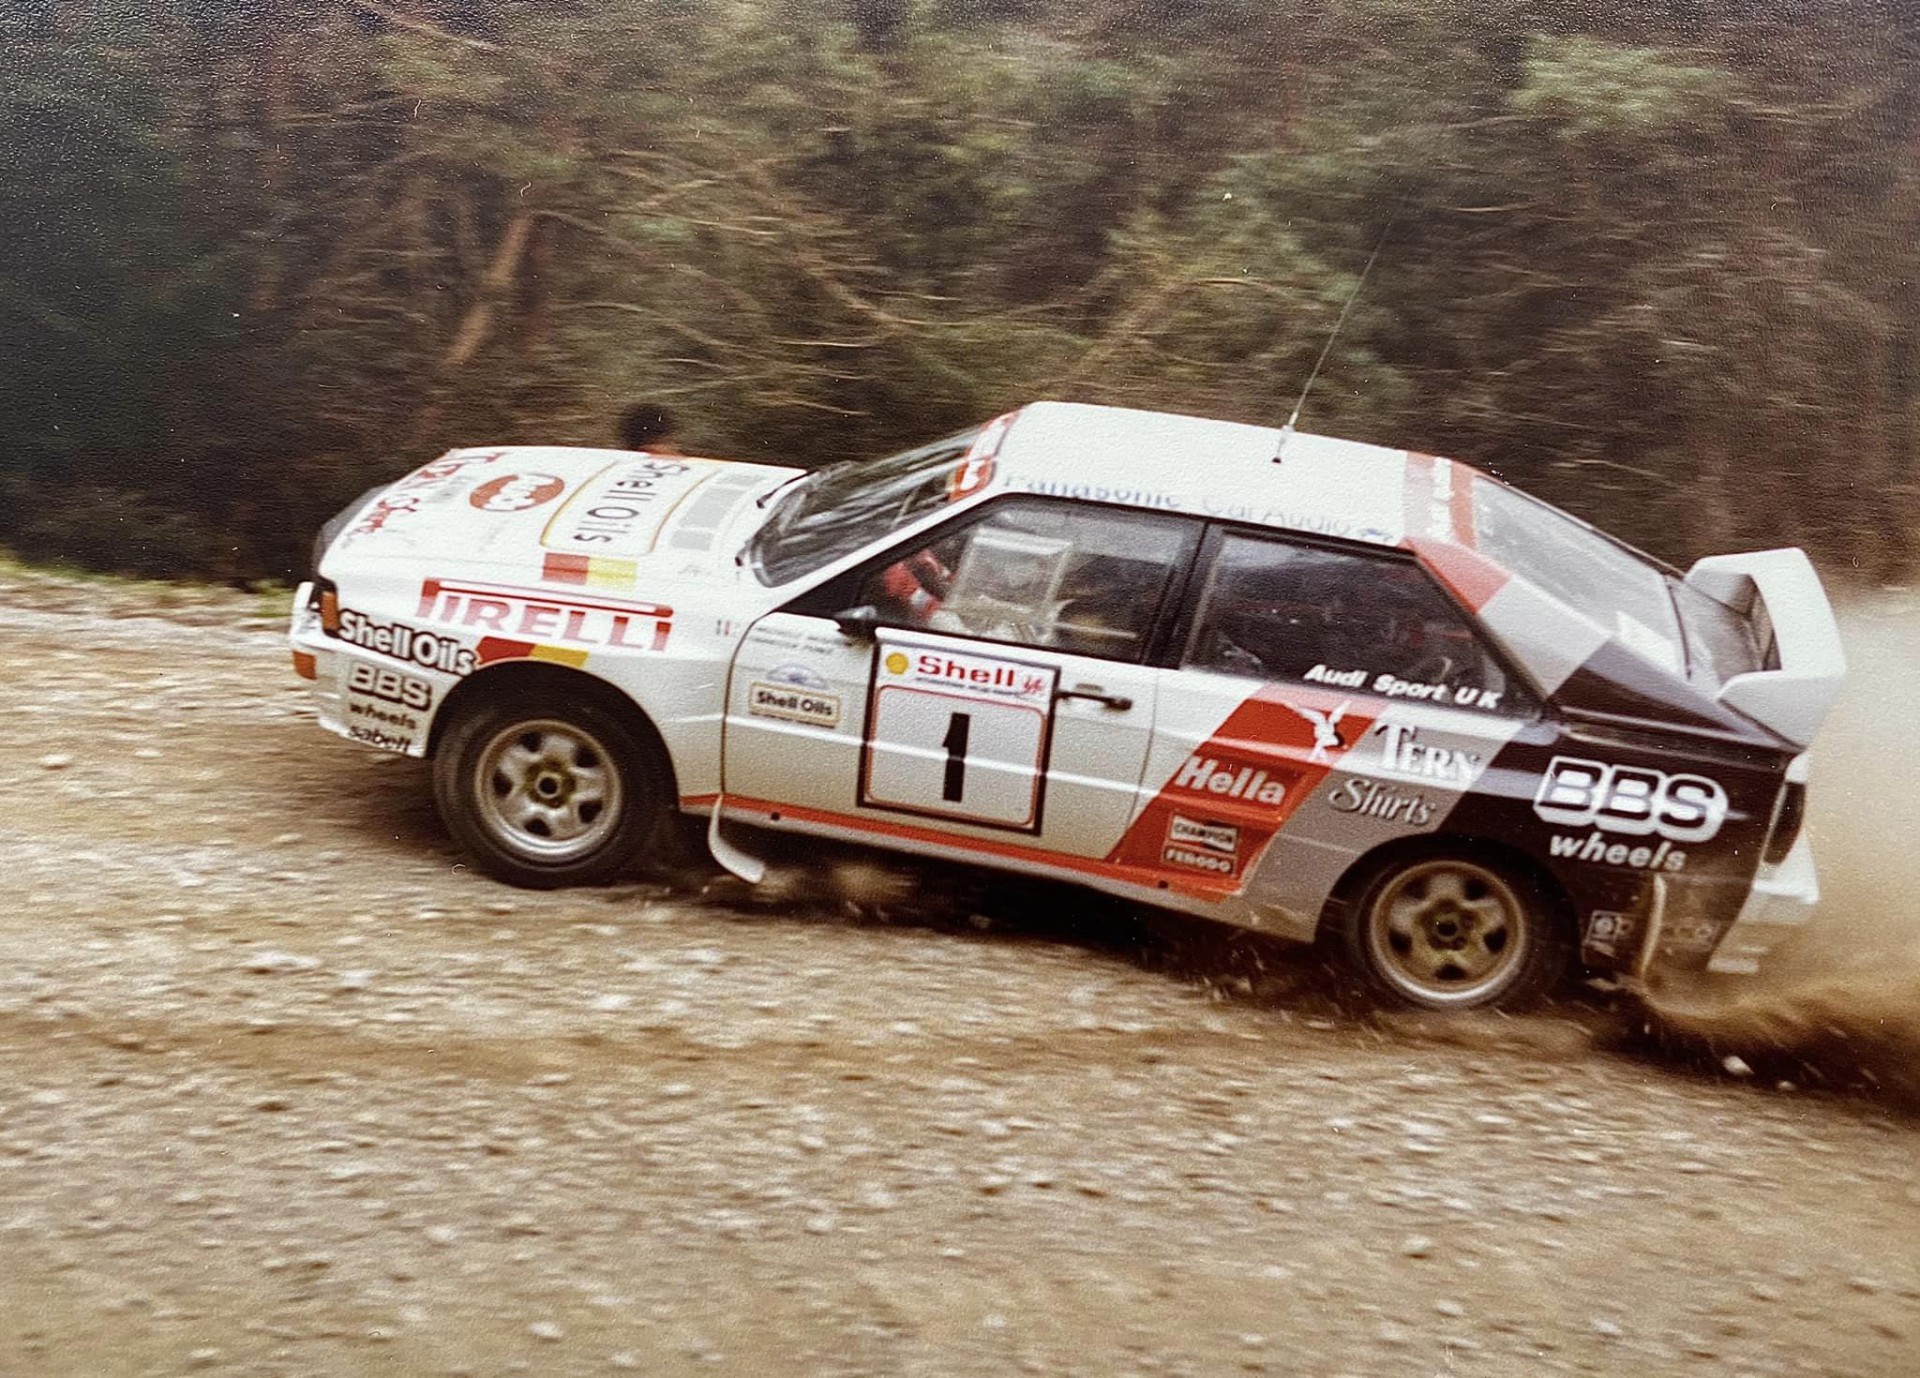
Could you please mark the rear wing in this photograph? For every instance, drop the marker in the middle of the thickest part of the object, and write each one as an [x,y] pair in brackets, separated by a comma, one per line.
[1780,595]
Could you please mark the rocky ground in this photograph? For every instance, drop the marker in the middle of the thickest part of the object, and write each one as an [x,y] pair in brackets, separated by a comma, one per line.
[290,1091]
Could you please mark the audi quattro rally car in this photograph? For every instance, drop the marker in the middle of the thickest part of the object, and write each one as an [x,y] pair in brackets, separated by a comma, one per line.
[1287,682]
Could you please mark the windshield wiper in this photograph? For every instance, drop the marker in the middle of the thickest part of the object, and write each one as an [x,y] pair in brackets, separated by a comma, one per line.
[779,488]
[777,524]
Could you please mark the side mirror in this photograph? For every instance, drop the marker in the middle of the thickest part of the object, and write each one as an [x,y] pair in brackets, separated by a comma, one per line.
[857,624]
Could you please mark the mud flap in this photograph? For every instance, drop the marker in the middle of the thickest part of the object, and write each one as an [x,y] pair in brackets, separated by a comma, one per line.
[1636,982]
[749,868]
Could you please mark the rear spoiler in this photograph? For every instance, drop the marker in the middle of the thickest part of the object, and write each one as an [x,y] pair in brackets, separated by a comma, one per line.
[1780,595]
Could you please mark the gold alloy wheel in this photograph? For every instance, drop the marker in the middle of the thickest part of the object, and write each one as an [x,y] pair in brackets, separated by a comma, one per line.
[1447,932]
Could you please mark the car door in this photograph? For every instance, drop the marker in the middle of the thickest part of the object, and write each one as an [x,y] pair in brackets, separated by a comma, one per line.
[1324,700]
[995,699]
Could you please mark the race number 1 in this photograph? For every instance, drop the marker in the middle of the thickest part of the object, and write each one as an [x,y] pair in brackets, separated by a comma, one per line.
[957,735]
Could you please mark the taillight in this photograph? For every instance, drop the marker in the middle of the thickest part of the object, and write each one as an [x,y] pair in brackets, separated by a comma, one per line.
[306,665]
[329,609]
[1788,815]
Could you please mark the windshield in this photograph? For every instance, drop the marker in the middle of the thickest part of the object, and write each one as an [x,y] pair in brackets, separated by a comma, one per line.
[843,507]
[1619,588]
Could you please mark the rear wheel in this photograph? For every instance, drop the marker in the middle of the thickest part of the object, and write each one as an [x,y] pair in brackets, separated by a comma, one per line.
[544,794]
[1452,930]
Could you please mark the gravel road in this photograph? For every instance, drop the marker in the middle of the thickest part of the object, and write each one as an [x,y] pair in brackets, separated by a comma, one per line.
[290,1091]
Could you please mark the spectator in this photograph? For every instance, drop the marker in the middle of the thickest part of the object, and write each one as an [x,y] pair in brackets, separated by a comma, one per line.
[649,426]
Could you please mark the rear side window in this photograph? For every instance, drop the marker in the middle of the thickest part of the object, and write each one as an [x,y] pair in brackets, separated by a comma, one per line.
[1272,609]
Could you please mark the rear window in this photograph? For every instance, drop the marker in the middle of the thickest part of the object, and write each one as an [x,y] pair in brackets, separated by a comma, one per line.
[1614,585]
[1647,606]
[1720,642]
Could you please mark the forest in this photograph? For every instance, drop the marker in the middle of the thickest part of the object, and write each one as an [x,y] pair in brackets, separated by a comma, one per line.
[1656,261]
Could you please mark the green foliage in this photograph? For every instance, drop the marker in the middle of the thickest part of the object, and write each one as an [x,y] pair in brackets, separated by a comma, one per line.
[259,255]
[1588,87]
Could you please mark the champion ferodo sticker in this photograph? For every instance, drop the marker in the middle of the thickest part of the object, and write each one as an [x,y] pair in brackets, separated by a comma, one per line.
[1201,845]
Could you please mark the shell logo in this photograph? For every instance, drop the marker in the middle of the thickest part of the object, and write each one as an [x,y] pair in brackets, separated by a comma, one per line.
[516,492]
[896,663]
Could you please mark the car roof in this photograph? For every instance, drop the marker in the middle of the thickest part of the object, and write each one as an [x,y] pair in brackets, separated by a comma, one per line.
[1227,470]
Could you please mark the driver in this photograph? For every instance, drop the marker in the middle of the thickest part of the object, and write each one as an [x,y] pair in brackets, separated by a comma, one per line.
[914,589]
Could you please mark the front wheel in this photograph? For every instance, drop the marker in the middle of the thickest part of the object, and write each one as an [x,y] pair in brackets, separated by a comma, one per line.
[1450,930]
[545,795]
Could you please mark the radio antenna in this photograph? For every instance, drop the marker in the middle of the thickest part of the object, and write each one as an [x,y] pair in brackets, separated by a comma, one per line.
[1286,431]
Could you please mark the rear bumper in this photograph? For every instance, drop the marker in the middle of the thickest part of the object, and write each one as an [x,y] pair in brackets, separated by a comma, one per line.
[1782,899]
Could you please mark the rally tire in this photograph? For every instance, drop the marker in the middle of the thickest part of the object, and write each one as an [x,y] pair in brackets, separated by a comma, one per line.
[1455,927]
[543,791]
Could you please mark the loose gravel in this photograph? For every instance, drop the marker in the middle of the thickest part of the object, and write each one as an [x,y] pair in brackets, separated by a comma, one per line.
[291,1091]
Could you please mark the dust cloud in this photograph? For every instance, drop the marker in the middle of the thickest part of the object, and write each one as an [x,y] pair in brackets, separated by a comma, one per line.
[1840,1006]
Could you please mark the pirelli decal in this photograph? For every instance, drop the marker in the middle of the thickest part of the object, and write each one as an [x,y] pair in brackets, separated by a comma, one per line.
[516,615]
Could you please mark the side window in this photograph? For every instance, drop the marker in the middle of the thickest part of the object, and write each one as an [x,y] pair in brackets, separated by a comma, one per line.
[1085,580]
[1274,610]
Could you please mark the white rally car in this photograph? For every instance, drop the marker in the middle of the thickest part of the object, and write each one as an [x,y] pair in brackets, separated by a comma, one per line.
[1287,682]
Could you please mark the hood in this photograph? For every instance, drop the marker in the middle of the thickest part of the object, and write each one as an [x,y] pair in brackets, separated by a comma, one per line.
[533,514]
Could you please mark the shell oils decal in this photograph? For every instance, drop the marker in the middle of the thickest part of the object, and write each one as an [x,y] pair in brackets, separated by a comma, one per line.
[621,512]
[447,654]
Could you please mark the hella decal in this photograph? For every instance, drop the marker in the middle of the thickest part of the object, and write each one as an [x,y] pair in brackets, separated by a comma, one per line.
[1635,800]
[1206,775]
[425,649]
[516,492]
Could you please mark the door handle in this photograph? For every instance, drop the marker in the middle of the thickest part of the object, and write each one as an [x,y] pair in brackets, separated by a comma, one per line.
[1093,693]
